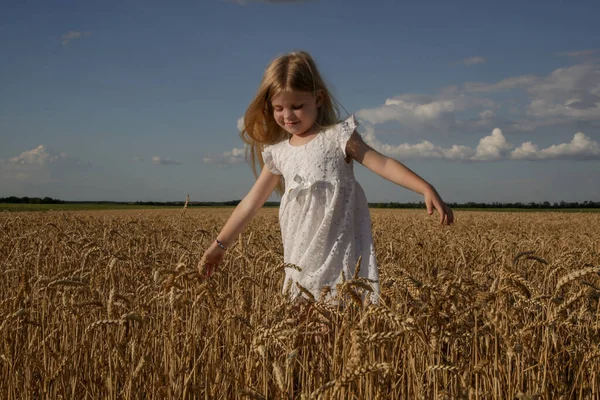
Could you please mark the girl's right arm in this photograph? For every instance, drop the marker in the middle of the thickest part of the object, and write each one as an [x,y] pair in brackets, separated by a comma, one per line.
[239,219]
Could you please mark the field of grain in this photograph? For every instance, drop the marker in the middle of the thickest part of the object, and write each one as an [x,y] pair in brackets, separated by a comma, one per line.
[110,304]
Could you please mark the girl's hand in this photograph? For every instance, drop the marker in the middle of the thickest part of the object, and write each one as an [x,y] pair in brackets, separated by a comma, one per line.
[433,200]
[211,259]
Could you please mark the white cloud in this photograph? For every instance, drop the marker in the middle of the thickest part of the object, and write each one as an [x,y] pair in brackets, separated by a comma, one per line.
[494,147]
[240,124]
[473,60]
[234,156]
[580,148]
[578,53]
[40,164]
[157,160]
[490,148]
[563,81]
[532,124]
[570,93]
[564,97]
[527,151]
[505,84]
[38,156]
[487,114]
[424,111]
[71,35]
[425,150]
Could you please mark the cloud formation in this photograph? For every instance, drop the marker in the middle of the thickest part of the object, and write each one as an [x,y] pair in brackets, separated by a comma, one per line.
[38,156]
[157,160]
[578,53]
[39,164]
[505,84]
[580,148]
[570,93]
[494,147]
[429,112]
[565,96]
[234,156]
[72,35]
[473,60]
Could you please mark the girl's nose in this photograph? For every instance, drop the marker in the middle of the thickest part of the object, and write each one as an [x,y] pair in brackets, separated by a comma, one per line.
[287,113]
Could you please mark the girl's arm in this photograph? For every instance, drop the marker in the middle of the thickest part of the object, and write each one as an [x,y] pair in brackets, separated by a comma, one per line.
[397,173]
[239,219]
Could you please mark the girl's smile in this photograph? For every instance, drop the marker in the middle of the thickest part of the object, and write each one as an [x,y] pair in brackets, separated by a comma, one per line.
[296,112]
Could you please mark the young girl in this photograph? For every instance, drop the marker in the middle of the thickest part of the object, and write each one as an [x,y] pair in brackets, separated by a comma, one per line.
[293,128]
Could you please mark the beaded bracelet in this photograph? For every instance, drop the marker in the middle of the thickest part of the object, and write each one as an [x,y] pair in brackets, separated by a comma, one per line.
[221,244]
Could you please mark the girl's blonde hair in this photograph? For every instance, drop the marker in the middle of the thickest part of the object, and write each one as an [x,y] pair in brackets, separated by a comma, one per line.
[294,71]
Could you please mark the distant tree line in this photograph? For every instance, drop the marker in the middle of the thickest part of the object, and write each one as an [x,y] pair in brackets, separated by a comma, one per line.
[471,204]
[232,203]
[30,200]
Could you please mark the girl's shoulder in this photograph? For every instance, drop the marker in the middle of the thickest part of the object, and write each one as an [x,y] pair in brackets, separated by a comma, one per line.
[349,124]
[342,126]
[340,132]
[275,146]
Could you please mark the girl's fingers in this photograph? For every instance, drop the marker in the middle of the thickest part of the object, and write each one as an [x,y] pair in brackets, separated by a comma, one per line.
[446,215]
[209,269]
[441,211]
[429,205]
[449,218]
[213,268]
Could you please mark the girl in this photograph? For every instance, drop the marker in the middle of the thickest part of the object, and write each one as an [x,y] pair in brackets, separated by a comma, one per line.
[292,127]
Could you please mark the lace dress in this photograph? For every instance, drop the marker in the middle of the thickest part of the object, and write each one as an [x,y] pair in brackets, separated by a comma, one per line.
[324,214]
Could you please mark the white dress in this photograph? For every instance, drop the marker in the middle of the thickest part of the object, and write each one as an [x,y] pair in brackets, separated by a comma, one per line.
[324,214]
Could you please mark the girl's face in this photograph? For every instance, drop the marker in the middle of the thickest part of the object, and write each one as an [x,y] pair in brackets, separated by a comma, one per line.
[296,112]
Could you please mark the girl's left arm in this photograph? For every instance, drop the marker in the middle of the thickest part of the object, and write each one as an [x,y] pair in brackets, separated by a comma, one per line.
[396,172]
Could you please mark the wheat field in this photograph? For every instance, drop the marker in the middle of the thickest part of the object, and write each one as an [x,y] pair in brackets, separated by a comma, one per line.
[111,305]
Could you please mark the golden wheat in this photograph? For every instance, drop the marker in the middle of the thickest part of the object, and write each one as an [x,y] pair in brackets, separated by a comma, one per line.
[111,305]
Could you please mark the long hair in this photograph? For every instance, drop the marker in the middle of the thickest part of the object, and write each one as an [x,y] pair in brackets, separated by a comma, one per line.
[294,71]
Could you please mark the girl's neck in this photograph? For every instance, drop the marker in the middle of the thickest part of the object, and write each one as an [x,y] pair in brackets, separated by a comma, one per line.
[303,138]
[311,131]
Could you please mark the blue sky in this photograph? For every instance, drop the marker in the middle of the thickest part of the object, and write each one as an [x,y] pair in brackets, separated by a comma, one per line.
[140,100]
